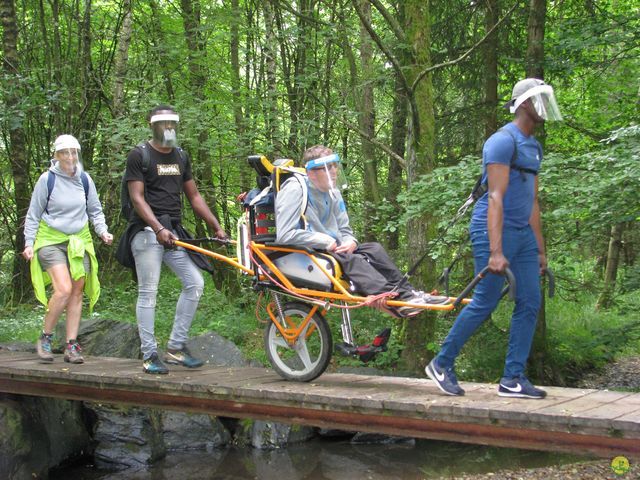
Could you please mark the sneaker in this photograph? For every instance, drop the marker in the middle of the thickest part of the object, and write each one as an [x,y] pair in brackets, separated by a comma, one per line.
[182,357]
[519,387]
[445,378]
[72,352]
[433,299]
[154,365]
[409,311]
[43,347]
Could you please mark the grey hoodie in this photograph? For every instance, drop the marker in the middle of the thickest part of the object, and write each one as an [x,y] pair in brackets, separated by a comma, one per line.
[68,209]
[326,215]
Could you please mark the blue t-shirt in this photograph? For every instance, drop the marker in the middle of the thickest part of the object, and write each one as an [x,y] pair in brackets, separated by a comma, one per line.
[518,199]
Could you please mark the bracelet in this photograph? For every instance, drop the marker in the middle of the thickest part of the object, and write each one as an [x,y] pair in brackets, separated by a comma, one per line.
[159,230]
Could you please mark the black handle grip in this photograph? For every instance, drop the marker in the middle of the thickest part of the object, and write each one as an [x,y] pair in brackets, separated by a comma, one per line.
[444,281]
[511,280]
[551,289]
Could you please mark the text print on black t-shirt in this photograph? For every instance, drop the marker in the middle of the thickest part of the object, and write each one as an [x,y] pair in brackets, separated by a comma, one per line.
[164,170]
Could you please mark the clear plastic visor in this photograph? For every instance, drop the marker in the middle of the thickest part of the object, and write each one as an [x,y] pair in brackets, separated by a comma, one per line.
[543,101]
[69,158]
[327,174]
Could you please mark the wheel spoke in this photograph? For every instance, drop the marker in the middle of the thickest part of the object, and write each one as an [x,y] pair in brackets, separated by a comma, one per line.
[303,352]
[279,341]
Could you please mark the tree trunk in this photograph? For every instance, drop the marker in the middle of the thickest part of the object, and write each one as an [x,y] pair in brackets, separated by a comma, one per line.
[237,98]
[271,100]
[534,64]
[202,165]
[613,260]
[398,141]
[16,150]
[157,37]
[534,61]
[419,331]
[121,60]
[366,121]
[491,69]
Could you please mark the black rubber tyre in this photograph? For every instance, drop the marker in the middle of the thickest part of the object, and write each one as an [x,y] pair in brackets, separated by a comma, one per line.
[309,357]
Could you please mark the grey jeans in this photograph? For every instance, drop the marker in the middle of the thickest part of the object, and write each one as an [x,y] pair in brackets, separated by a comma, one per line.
[149,256]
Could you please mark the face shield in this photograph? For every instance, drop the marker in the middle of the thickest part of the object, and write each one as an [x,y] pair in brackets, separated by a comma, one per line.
[67,153]
[543,101]
[164,127]
[326,173]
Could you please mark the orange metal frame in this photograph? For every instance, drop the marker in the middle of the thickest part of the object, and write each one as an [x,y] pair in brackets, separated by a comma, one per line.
[340,294]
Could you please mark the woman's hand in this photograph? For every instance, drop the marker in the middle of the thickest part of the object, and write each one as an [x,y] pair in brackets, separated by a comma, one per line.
[27,253]
[107,238]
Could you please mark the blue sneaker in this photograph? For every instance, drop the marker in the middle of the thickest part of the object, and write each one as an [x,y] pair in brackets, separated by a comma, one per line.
[519,387]
[154,365]
[182,357]
[445,378]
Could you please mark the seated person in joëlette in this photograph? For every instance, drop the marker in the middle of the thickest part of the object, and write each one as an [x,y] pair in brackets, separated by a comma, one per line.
[325,226]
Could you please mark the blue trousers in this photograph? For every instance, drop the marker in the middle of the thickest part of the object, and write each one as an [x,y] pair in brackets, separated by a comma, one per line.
[521,250]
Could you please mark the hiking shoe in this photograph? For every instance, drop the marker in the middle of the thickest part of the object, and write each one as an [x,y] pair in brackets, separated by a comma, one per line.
[519,387]
[72,352]
[182,357]
[154,365]
[43,347]
[445,378]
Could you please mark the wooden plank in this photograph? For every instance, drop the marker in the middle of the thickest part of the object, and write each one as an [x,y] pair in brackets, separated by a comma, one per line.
[567,420]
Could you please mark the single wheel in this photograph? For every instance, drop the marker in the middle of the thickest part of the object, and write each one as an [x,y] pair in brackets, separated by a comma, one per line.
[308,357]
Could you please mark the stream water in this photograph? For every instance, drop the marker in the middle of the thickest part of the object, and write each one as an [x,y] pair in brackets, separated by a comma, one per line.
[329,460]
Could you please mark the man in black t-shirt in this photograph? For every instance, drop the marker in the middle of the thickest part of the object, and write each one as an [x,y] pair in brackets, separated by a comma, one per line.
[156,194]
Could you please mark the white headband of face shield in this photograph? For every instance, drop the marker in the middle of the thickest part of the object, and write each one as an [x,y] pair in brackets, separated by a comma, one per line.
[165,117]
[539,90]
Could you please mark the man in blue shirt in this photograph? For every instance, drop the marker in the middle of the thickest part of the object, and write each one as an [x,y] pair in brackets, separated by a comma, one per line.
[506,232]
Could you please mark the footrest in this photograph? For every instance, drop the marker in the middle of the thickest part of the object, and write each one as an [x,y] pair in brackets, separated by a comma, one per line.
[365,353]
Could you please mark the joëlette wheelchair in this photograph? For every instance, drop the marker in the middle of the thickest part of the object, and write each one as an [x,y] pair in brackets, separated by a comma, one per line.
[303,285]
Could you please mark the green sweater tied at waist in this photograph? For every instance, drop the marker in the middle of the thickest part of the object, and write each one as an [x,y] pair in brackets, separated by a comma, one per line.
[77,245]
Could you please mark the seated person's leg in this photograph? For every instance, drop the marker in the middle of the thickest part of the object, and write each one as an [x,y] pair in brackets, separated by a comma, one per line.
[363,275]
[382,262]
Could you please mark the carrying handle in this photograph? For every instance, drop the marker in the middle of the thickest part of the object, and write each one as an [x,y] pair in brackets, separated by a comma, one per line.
[511,280]
[551,288]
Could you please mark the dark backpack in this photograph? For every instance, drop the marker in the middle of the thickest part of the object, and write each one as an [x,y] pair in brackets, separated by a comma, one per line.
[51,182]
[126,206]
[481,187]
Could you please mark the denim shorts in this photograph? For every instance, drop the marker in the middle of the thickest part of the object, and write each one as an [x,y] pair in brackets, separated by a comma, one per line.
[57,254]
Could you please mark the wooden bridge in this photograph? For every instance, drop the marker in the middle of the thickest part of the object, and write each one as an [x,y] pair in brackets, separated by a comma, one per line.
[580,421]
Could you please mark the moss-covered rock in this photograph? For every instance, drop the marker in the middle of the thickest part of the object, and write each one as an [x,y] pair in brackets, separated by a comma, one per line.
[39,433]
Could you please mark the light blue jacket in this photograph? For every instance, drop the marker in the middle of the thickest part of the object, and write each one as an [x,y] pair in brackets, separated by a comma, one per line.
[68,211]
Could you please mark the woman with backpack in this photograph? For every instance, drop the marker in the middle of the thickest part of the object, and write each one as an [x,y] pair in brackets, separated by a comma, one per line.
[59,246]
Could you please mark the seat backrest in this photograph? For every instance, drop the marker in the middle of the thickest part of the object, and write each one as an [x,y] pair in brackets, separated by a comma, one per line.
[260,201]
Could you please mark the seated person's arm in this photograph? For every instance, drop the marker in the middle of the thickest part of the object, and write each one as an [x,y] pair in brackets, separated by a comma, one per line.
[349,242]
[289,228]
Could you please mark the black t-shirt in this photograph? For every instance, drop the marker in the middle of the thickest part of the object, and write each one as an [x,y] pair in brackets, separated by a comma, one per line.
[163,180]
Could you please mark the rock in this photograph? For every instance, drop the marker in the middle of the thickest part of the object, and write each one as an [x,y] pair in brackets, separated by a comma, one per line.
[104,337]
[218,351]
[185,431]
[267,435]
[365,438]
[134,437]
[334,433]
[18,347]
[127,436]
[39,433]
